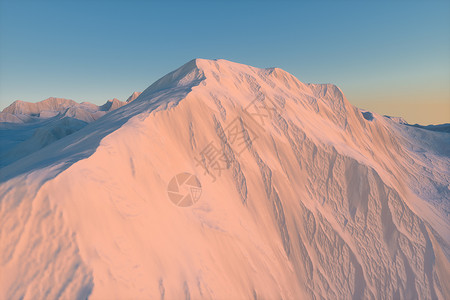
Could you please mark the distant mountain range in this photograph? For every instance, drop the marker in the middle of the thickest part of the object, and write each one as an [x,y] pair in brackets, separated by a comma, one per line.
[25,112]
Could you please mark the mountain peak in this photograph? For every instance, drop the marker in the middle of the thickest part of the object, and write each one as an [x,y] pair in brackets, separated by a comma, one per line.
[112,104]
[207,78]
[133,97]
[186,76]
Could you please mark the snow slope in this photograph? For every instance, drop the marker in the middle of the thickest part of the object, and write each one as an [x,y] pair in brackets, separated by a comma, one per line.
[303,196]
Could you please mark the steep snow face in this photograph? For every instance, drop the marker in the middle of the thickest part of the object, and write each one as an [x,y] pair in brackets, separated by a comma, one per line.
[302,196]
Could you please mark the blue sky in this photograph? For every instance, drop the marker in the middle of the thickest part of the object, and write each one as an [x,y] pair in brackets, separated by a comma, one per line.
[392,57]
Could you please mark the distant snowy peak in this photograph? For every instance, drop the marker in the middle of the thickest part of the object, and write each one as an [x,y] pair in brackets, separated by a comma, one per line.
[111,105]
[398,120]
[133,97]
[34,109]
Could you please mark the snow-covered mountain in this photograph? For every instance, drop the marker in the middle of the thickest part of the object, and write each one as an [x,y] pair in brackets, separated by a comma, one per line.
[226,181]
[26,112]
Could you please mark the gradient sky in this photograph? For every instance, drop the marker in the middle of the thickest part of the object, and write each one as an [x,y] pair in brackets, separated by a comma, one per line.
[392,57]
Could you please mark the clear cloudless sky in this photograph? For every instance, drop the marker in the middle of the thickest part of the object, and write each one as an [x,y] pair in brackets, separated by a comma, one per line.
[391,57]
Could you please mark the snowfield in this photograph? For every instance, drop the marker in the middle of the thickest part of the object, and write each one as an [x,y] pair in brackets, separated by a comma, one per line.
[302,196]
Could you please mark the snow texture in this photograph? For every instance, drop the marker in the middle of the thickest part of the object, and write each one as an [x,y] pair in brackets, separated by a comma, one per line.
[307,197]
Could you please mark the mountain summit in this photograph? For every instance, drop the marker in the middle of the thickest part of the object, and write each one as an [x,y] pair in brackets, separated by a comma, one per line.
[226,181]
